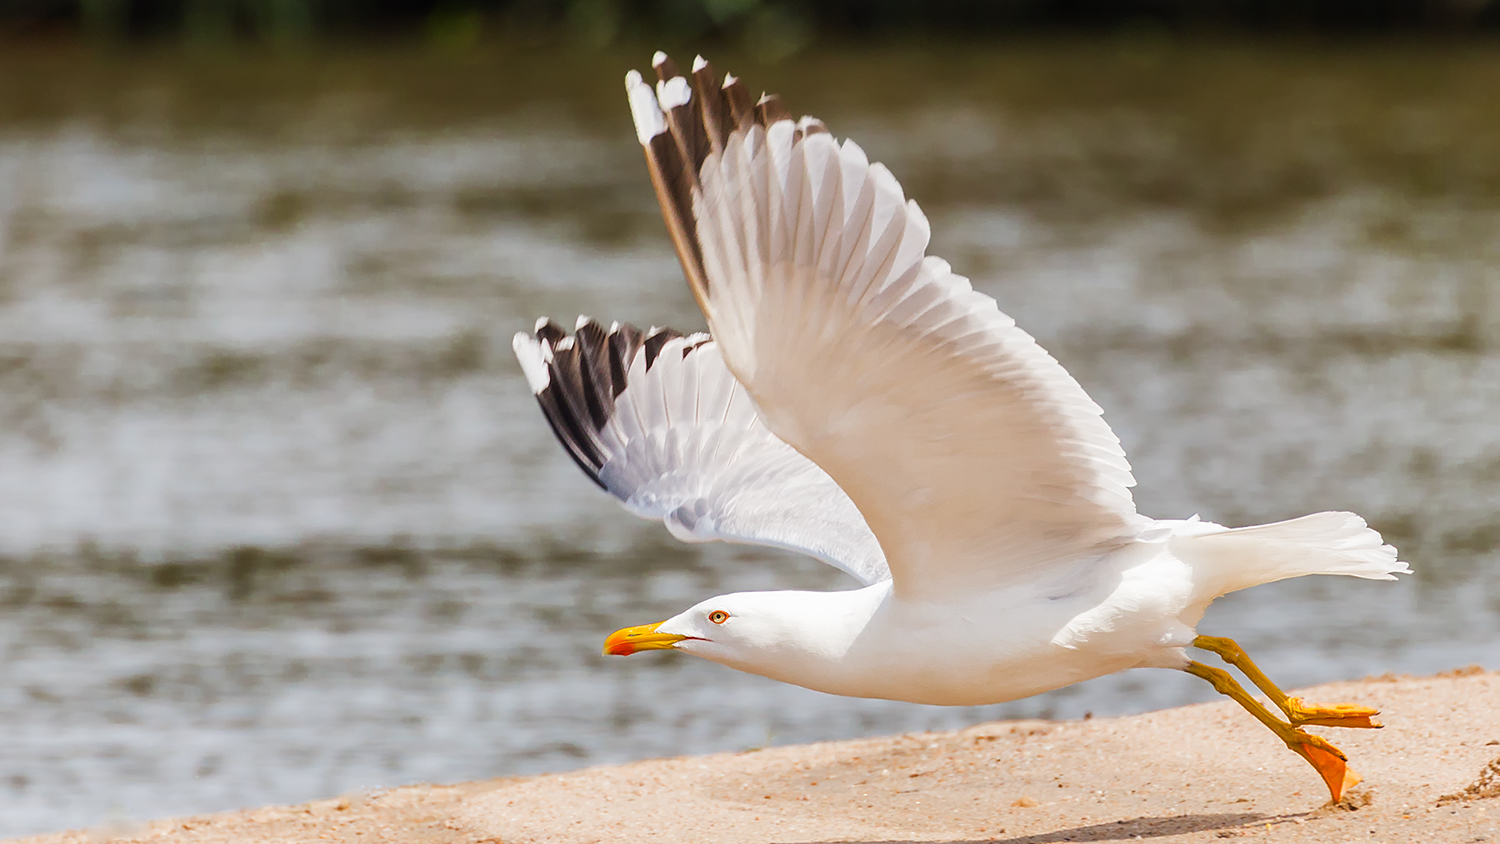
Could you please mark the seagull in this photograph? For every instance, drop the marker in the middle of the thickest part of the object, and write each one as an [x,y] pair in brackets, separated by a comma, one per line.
[857,401]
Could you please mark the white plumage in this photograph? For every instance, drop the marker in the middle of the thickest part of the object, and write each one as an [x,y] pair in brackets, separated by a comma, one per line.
[861,403]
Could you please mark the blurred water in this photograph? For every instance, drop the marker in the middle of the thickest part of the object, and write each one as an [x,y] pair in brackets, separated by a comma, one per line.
[281,520]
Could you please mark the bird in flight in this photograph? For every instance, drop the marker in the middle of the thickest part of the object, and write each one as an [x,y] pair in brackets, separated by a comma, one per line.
[857,401]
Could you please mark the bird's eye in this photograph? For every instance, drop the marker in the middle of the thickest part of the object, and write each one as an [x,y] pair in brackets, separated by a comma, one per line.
[718,616]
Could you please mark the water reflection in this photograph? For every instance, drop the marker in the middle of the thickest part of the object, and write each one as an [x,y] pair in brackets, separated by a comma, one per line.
[282,521]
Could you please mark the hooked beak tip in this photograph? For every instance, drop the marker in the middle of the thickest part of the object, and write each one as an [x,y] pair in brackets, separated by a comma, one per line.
[642,638]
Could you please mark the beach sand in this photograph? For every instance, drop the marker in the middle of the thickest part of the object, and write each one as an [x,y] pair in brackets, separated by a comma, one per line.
[1197,773]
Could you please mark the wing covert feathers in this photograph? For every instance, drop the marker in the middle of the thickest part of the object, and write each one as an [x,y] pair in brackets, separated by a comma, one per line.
[656,420]
[971,452]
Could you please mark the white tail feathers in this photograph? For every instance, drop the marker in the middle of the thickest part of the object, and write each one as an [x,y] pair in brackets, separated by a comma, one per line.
[1227,559]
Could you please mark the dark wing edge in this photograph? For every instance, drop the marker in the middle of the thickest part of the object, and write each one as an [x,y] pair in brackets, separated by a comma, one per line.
[576,379]
[655,419]
[694,120]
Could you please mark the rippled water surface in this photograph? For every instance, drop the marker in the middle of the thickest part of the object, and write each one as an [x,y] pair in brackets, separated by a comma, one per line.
[280,519]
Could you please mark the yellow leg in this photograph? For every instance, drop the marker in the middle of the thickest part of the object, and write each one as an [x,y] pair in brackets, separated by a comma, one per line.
[1330,762]
[1297,712]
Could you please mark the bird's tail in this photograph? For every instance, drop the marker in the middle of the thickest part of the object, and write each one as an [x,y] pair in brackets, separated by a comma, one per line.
[1227,559]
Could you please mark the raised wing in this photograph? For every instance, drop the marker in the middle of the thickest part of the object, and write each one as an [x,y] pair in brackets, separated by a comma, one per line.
[972,454]
[657,421]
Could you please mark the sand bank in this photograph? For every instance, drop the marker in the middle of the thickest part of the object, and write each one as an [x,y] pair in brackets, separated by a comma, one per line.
[1198,773]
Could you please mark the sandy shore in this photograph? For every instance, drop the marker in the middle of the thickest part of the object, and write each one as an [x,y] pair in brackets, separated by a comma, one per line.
[1199,773]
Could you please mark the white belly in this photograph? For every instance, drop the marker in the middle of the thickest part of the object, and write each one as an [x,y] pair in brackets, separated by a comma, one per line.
[1019,641]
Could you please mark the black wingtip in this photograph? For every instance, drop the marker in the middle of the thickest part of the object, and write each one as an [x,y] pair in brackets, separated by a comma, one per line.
[549,332]
[586,371]
[740,106]
[664,66]
[770,109]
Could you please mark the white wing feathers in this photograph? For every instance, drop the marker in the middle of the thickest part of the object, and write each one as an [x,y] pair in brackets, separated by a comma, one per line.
[657,420]
[972,454]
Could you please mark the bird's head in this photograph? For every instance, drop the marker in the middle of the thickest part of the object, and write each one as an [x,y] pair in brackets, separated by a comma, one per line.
[753,631]
[714,628]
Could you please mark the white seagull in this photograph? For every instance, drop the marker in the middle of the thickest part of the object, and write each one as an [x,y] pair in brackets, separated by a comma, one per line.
[859,402]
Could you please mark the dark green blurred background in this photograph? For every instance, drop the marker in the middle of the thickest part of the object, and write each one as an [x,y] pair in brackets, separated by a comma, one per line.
[777,27]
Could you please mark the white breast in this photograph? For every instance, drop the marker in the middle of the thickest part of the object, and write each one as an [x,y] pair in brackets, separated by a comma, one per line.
[1103,616]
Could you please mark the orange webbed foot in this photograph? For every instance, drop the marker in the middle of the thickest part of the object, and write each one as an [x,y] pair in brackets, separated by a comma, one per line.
[1338,715]
[1330,762]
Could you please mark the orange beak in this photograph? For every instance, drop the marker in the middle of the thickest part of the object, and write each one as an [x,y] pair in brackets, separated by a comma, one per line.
[643,638]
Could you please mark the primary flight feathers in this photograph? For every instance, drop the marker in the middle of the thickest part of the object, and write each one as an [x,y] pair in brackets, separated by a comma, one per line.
[657,421]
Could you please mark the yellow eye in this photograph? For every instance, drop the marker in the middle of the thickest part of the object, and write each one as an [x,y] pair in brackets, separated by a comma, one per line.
[718,616]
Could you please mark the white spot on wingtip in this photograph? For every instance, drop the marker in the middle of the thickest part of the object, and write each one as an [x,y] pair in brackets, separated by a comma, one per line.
[579,323]
[647,115]
[529,352]
[657,58]
[673,93]
[699,63]
[541,323]
[729,79]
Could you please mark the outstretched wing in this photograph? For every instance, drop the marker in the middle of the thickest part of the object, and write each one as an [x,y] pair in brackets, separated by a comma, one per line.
[657,421]
[972,454]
